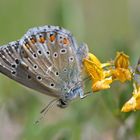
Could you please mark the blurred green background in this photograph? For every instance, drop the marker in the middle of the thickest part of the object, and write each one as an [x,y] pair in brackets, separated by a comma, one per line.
[106,26]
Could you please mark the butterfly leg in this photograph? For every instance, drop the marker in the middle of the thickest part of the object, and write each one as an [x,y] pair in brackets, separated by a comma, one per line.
[82,96]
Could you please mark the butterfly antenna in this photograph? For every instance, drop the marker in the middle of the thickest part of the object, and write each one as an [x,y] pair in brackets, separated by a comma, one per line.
[45,110]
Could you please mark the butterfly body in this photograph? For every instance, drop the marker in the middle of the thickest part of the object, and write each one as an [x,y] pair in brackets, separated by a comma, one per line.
[47,59]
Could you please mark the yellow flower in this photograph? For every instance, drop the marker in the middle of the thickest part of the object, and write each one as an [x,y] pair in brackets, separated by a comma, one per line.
[95,69]
[102,84]
[134,102]
[121,71]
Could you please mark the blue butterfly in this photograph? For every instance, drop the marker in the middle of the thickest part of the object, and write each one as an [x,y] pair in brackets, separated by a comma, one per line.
[47,59]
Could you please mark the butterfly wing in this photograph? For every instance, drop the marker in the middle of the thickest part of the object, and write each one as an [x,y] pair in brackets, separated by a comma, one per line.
[14,67]
[44,59]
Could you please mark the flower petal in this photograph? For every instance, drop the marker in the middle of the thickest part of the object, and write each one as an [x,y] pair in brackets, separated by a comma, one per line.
[101,85]
[94,59]
[94,70]
[122,60]
[130,105]
[121,71]
[101,78]
[134,102]
[121,74]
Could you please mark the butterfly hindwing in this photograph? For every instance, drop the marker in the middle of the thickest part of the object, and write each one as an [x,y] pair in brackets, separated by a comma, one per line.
[14,67]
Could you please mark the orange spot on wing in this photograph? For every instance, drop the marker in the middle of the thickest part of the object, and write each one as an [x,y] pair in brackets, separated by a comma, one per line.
[33,40]
[65,41]
[42,40]
[52,38]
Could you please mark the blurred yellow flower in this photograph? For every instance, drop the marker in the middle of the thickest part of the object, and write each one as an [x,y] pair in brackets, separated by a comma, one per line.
[95,69]
[103,74]
[133,103]
[121,71]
